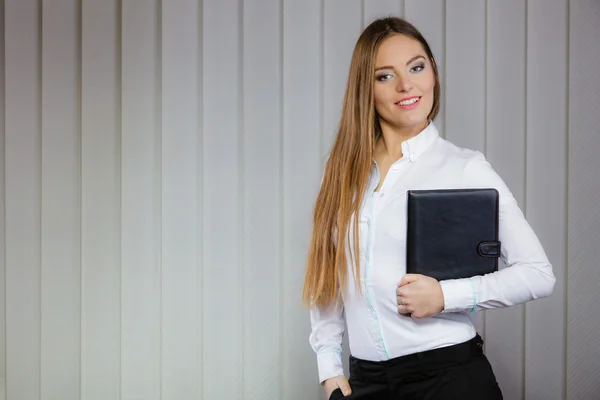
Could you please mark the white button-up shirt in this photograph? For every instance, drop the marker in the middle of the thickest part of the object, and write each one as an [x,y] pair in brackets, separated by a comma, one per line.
[376,331]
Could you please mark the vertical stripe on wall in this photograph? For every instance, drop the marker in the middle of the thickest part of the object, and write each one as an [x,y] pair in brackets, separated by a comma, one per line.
[223,283]
[141,201]
[465,73]
[2,213]
[583,324]
[302,158]
[61,205]
[546,190]
[23,197]
[262,199]
[181,200]
[101,201]
[506,141]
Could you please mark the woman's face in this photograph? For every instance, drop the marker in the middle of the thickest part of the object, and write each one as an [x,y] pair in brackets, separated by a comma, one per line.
[404,82]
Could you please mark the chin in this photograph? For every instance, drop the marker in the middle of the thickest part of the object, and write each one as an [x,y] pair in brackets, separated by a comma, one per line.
[417,120]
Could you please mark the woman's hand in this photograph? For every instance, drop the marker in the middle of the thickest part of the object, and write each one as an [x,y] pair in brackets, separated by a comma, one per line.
[420,296]
[337,382]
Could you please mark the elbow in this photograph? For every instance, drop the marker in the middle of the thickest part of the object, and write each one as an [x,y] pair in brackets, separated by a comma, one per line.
[546,285]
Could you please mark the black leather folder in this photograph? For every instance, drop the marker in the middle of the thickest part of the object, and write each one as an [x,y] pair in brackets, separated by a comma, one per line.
[452,233]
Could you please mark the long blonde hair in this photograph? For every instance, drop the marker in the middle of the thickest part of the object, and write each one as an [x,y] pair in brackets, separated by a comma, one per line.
[348,167]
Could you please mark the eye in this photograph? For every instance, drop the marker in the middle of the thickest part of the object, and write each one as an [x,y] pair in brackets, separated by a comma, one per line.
[418,68]
[384,77]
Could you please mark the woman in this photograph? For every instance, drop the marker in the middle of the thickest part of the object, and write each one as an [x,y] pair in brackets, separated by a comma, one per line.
[410,336]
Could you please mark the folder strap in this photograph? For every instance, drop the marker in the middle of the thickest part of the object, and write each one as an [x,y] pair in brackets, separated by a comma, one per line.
[490,249]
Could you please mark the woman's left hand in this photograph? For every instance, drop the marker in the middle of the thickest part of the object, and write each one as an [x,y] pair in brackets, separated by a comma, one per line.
[420,296]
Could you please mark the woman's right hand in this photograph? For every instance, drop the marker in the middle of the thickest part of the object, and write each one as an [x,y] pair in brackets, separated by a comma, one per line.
[337,382]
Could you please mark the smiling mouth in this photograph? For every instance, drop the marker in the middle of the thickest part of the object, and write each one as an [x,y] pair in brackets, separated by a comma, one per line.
[409,102]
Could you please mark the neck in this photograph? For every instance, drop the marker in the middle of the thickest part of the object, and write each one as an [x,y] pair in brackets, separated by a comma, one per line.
[390,142]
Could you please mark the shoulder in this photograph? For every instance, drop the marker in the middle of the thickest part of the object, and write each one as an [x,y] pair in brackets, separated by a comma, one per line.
[477,172]
[459,154]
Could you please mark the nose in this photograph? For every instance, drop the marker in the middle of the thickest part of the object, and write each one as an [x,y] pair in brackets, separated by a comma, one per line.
[404,83]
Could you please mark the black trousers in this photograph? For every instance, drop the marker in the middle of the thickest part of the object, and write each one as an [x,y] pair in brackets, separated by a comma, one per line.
[456,372]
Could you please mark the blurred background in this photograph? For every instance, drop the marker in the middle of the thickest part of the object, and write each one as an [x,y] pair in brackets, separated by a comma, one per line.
[159,161]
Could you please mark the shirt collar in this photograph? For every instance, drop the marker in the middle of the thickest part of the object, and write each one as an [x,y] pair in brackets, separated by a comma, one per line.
[414,147]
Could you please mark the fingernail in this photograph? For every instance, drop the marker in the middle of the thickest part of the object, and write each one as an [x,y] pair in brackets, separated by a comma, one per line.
[347,393]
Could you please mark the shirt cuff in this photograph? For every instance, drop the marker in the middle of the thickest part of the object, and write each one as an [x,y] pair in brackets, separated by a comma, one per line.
[459,295]
[330,365]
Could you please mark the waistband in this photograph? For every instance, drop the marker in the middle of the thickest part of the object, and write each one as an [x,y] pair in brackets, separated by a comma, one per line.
[426,361]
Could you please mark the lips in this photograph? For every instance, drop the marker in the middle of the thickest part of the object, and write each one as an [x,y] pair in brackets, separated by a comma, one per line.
[409,102]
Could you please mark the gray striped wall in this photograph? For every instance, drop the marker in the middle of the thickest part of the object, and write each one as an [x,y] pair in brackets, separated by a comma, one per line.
[160,161]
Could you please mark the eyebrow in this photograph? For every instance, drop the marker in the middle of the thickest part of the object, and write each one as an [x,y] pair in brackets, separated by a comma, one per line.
[409,61]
